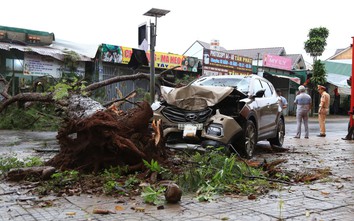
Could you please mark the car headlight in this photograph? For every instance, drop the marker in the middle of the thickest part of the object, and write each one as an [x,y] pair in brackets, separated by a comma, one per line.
[155,106]
[215,130]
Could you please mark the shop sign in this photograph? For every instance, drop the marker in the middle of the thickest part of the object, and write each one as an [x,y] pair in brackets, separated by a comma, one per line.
[167,61]
[222,63]
[122,55]
[278,62]
[111,53]
[43,65]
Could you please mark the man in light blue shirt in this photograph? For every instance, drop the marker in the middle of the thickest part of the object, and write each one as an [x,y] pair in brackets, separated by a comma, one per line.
[283,103]
[303,103]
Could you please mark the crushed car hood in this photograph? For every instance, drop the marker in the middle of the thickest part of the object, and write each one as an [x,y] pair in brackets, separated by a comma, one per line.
[193,97]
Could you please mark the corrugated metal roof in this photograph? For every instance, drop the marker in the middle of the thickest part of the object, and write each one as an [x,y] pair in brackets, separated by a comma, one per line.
[88,50]
[207,45]
[27,31]
[297,61]
[342,67]
[42,50]
[256,53]
[338,52]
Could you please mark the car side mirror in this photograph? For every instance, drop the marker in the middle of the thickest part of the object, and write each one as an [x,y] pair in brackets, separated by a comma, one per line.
[259,93]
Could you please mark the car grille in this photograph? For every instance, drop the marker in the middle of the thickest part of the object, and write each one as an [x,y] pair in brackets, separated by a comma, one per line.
[183,116]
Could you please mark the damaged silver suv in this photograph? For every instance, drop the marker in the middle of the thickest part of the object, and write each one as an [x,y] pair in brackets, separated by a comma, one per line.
[229,110]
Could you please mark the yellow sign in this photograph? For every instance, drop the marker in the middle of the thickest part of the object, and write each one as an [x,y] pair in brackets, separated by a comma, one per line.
[165,60]
[122,55]
[127,54]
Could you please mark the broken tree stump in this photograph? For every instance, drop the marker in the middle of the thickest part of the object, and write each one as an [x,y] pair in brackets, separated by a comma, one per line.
[108,138]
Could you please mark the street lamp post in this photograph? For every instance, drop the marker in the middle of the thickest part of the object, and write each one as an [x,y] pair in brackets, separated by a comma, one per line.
[157,13]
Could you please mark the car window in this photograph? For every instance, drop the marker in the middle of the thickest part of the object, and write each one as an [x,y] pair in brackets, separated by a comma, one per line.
[268,92]
[257,85]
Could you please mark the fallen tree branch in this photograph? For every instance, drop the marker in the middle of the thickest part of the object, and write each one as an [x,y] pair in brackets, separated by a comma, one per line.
[6,88]
[48,97]
[268,179]
[42,97]
[161,77]
[116,79]
[130,95]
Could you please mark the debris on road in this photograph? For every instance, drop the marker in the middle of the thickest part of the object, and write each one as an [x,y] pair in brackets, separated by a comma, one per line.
[42,172]
[102,211]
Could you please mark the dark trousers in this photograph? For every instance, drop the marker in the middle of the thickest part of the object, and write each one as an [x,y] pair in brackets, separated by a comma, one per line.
[350,134]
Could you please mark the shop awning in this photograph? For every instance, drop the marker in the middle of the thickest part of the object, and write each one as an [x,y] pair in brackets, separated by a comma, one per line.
[338,72]
[294,79]
[340,81]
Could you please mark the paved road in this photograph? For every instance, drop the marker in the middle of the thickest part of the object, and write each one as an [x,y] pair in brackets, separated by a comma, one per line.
[335,126]
[332,199]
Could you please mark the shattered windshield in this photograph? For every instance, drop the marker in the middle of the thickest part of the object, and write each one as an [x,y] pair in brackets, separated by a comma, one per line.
[224,82]
[242,84]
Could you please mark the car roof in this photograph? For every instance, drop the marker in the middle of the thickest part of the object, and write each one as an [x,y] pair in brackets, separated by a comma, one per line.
[233,76]
[251,76]
[229,76]
[224,76]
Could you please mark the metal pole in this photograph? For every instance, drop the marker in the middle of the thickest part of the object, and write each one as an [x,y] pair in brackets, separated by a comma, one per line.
[257,63]
[152,62]
[351,111]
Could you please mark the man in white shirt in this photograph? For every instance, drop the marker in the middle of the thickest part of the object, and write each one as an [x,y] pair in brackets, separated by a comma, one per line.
[303,103]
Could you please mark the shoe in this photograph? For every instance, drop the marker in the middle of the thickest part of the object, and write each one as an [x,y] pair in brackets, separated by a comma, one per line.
[346,138]
[297,137]
[321,135]
[306,137]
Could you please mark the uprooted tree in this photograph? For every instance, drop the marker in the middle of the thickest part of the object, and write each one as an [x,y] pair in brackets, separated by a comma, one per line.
[93,137]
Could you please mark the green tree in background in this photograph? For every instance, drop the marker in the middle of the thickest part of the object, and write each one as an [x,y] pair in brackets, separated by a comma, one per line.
[319,73]
[316,42]
[315,46]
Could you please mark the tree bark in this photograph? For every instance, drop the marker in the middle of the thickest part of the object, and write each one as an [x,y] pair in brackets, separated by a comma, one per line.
[25,97]
[116,79]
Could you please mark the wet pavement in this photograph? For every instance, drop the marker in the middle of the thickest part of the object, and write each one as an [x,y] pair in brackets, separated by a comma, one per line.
[329,199]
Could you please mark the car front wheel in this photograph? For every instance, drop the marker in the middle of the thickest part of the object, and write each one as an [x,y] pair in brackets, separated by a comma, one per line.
[247,144]
[279,139]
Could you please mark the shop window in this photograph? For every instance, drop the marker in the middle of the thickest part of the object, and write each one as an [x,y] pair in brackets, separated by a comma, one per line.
[14,64]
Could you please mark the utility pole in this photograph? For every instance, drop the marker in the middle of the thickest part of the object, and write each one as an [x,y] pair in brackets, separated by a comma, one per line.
[156,13]
[152,61]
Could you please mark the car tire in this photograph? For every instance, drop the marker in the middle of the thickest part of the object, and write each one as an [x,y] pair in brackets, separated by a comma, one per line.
[278,140]
[247,144]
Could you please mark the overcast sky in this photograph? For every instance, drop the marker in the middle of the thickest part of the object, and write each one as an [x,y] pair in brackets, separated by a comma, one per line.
[236,24]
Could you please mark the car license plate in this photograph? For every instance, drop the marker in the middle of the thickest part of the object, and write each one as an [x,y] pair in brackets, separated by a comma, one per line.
[182,126]
[189,130]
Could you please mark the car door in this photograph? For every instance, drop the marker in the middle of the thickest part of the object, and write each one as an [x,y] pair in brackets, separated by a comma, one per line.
[259,106]
[271,107]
